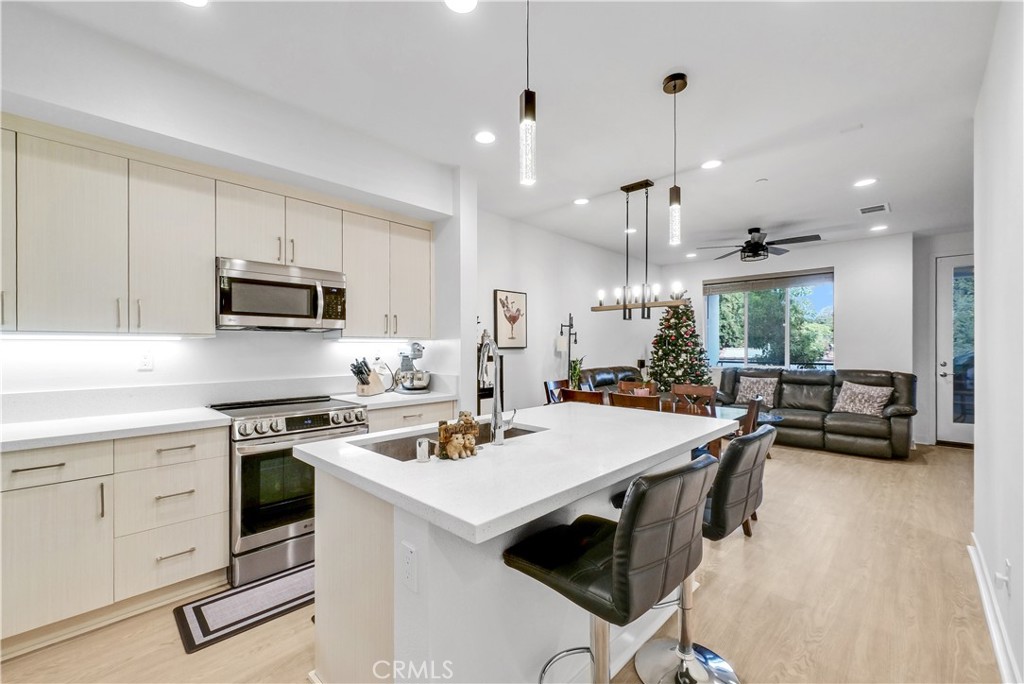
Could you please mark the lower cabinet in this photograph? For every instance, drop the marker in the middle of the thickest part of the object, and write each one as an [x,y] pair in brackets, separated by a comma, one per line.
[74,545]
[408,416]
[58,552]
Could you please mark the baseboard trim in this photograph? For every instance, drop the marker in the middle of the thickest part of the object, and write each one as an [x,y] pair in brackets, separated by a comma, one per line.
[32,640]
[1008,668]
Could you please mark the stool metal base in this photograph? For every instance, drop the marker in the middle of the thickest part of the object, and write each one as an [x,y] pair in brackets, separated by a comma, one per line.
[659,662]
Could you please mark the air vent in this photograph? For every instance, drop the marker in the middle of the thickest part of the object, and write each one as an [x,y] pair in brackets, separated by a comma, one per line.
[877,209]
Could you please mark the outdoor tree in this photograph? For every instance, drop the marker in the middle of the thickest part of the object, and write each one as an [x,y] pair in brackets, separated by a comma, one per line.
[678,355]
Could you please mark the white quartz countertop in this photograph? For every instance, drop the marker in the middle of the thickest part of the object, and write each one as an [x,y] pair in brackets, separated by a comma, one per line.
[389,399]
[47,433]
[584,449]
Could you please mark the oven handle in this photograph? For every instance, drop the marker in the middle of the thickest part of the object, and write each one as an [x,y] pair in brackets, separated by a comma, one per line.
[253,449]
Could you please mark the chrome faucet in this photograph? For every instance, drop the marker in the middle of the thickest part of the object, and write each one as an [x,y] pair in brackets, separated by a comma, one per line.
[488,347]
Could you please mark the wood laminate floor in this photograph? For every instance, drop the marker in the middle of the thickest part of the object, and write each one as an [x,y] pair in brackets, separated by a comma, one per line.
[857,572]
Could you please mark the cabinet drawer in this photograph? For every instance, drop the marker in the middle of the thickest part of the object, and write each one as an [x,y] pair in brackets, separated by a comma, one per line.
[155,558]
[135,453]
[145,499]
[34,467]
[409,416]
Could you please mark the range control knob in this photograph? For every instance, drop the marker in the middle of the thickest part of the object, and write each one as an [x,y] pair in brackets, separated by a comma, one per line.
[262,427]
[277,425]
[336,418]
[360,414]
[349,417]
[245,429]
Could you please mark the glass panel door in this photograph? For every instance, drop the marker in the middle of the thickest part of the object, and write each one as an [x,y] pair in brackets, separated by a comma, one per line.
[954,347]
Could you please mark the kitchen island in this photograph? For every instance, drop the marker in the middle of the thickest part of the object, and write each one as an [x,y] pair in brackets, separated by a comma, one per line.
[410,584]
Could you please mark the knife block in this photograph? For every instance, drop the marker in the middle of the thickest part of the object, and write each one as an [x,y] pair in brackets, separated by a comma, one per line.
[374,388]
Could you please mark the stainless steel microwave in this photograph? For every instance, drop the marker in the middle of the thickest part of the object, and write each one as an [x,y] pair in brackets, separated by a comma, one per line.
[256,296]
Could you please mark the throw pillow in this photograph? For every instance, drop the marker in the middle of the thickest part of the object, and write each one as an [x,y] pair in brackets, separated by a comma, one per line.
[751,388]
[868,400]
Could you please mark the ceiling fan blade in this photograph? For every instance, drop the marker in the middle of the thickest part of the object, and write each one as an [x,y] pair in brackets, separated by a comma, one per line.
[722,247]
[777,251]
[794,240]
[728,254]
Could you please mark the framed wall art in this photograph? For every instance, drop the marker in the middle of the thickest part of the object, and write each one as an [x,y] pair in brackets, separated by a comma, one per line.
[510,319]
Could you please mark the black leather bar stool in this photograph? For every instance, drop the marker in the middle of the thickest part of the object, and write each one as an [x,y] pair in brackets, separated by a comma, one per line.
[618,571]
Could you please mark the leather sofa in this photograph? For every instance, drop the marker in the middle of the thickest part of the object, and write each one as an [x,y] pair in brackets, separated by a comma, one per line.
[804,399]
[607,379]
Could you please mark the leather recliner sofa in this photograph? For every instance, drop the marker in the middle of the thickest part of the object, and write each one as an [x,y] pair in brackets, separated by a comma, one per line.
[804,399]
[607,379]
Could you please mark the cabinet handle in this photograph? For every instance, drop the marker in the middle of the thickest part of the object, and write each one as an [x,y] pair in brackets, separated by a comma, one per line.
[3,309]
[396,324]
[25,470]
[161,497]
[118,300]
[292,240]
[280,246]
[166,449]
[175,555]
[387,324]
[103,500]
[413,415]
[138,318]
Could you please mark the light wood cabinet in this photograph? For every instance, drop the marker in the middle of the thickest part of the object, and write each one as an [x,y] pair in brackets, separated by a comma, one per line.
[313,234]
[388,268]
[154,451]
[72,206]
[409,416]
[9,237]
[172,238]
[58,552]
[260,226]
[146,499]
[53,465]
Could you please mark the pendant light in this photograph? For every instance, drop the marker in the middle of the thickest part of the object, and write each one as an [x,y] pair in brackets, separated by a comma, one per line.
[528,121]
[673,84]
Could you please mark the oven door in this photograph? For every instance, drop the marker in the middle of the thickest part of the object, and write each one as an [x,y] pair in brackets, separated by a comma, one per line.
[272,491]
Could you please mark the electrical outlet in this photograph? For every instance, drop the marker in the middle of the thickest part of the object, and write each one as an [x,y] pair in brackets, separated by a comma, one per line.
[146,362]
[407,566]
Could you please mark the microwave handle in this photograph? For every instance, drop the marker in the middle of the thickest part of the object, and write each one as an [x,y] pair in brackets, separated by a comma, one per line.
[319,302]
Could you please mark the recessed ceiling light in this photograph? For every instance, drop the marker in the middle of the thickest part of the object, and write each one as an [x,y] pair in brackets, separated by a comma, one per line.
[630,230]
[581,201]
[879,227]
[691,255]
[711,164]
[484,137]
[863,183]
[461,6]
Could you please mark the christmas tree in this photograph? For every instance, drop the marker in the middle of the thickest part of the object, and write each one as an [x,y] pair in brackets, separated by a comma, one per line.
[678,355]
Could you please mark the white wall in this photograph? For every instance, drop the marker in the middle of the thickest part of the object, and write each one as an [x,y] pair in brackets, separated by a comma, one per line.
[108,88]
[999,330]
[559,276]
[873,294]
[928,248]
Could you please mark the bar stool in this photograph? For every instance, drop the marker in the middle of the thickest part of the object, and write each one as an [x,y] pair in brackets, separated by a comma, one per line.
[619,571]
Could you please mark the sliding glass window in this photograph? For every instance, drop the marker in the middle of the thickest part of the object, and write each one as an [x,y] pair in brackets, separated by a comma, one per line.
[783,319]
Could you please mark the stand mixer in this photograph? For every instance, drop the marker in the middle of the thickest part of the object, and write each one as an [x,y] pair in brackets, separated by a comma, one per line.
[411,380]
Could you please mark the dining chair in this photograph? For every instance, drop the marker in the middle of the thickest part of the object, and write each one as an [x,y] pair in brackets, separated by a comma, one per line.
[628,386]
[551,390]
[583,396]
[697,400]
[652,403]
[749,422]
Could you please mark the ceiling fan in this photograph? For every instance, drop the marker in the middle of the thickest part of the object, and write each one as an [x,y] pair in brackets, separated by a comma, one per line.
[757,248]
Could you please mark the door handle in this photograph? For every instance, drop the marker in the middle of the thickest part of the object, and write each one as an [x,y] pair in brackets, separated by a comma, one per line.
[396,325]
[118,301]
[292,241]
[280,246]
[387,324]
[138,318]
[103,501]
[943,374]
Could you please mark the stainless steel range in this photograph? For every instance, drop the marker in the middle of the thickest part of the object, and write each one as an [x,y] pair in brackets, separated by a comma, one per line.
[271,490]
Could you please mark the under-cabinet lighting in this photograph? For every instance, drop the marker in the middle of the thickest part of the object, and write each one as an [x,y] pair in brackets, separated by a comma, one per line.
[86,337]
[865,182]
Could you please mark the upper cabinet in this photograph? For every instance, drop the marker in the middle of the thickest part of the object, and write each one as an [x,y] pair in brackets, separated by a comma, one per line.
[172,271]
[260,226]
[9,237]
[388,268]
[72,215]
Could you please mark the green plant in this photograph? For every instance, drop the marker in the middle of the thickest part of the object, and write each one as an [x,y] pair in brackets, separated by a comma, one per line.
[574,372]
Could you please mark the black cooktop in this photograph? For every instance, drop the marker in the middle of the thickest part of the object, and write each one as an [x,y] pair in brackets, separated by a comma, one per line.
[295,405]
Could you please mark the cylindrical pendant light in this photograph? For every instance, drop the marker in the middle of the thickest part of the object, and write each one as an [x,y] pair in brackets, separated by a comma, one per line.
[673,84]
[528,121]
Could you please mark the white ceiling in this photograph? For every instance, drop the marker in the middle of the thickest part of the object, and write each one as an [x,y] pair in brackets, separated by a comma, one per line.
[811,96]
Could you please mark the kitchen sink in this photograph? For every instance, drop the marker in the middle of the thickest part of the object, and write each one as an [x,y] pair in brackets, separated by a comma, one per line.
[404,448]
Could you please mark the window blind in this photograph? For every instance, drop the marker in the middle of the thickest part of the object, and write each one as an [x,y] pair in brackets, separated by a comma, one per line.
[770,281]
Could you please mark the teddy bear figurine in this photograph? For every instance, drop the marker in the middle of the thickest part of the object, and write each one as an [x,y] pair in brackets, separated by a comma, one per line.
[466,418]
[470,445]
[456,446]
